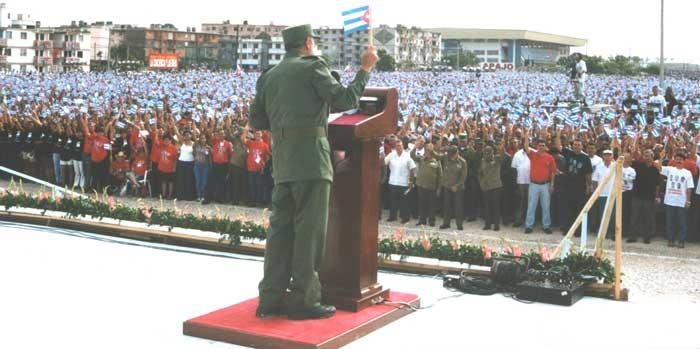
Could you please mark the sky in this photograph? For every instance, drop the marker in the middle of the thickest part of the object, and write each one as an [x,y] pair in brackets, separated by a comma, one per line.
[612,27]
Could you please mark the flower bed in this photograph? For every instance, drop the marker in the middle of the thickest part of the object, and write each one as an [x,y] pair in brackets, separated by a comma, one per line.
[233,230]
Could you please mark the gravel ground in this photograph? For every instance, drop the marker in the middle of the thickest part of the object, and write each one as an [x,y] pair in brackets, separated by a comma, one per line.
[650,270]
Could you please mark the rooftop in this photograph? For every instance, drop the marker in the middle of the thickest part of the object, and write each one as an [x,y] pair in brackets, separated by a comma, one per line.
[507,34]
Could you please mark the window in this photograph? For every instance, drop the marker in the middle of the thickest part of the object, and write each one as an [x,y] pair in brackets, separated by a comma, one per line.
[479,52]
[8,52]
[66,54]
[492,60]
[492,52]
[8,35]
[255,45]
[170,36]
[278,45]
[80,38]
[80,54]
[255,56]
[23,52]
[245,45]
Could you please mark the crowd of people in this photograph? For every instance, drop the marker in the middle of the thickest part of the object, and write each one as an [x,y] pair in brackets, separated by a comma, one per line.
[462,148]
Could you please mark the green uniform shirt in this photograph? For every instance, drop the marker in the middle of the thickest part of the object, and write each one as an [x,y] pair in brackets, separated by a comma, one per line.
[240,152]
[429,173]
[490,173]
[298,94]
[454,172]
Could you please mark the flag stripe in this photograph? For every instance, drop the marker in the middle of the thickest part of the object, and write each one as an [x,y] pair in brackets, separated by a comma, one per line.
[349,32]
[359,9]
[353,20]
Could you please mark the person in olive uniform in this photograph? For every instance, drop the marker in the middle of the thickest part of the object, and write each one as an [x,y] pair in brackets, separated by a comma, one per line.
[473,203]
[428,182]
[454,173]
[491,187]
[293,100]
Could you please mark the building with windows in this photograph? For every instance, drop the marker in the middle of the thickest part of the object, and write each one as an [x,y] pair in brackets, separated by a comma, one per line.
[243,31]
[72,47]
[17,40]
[258,54]
[511,48]
[410,47]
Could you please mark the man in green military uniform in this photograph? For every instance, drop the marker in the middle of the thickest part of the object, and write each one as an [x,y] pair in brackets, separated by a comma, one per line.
[428,182]
[473,190]
[454,173]
[293,100]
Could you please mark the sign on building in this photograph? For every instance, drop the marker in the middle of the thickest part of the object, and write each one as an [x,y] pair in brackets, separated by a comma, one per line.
[163,61]
[497,66]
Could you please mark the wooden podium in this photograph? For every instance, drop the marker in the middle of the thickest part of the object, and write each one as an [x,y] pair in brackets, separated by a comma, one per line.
[349,268]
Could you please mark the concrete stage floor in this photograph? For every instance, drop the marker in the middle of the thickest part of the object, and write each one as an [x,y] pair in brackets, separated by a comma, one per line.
[68,289]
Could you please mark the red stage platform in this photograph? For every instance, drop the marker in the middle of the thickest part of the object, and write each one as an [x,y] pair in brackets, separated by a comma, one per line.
[237,324]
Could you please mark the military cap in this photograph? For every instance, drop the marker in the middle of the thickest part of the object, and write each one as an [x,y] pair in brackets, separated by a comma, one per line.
[453,149]
[297,35]
[462,136]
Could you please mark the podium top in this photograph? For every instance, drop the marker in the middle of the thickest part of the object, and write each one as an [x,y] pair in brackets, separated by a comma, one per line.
[377,116]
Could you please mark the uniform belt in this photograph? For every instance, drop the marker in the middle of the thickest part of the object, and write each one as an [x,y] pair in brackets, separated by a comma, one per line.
[539,183]
[302,132]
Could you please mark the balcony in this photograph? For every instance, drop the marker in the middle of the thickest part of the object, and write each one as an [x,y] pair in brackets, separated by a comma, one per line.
[3,42]
[43,44]
[71,60]
[43,61]
[71,45]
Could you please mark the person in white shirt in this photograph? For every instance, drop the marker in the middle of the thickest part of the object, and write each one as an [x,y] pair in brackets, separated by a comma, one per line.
[629,174]
[596,160]
[599,174]
[401,171]
[657,100]
[679,188]
[521,164]
[580,80]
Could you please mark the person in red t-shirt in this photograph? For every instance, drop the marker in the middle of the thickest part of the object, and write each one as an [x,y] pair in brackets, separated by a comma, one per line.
[139,166]
[166,166]
[221,151]
[99,154]
[120,166]
[258,154]
[543,168]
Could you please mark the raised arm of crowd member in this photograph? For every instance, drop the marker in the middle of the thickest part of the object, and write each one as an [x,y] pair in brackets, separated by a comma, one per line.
[526,141]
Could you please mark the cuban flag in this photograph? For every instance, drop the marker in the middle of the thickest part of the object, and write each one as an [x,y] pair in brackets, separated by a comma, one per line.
[356,19]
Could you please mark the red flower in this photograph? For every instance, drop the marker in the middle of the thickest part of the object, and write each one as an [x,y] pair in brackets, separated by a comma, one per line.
[425,242]
[487,252]
[398,235]
[112,205]
[544,255]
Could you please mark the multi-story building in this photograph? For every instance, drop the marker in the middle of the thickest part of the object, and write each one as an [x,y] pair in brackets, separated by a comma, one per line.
[99,37]
[508,48]
[137,44]
[17,37]
[258,54]
[408,46]
[243,31]
[44,51]
[196,49]
[72,47]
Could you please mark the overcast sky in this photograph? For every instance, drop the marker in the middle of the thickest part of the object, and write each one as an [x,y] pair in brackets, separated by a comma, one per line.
[612,27]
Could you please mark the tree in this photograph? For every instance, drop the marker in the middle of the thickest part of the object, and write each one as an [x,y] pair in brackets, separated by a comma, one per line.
[386,62]
[466,59]
[652,69]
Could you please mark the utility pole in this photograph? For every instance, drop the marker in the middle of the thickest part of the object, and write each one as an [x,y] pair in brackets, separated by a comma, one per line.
[661,63]
[238,43]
